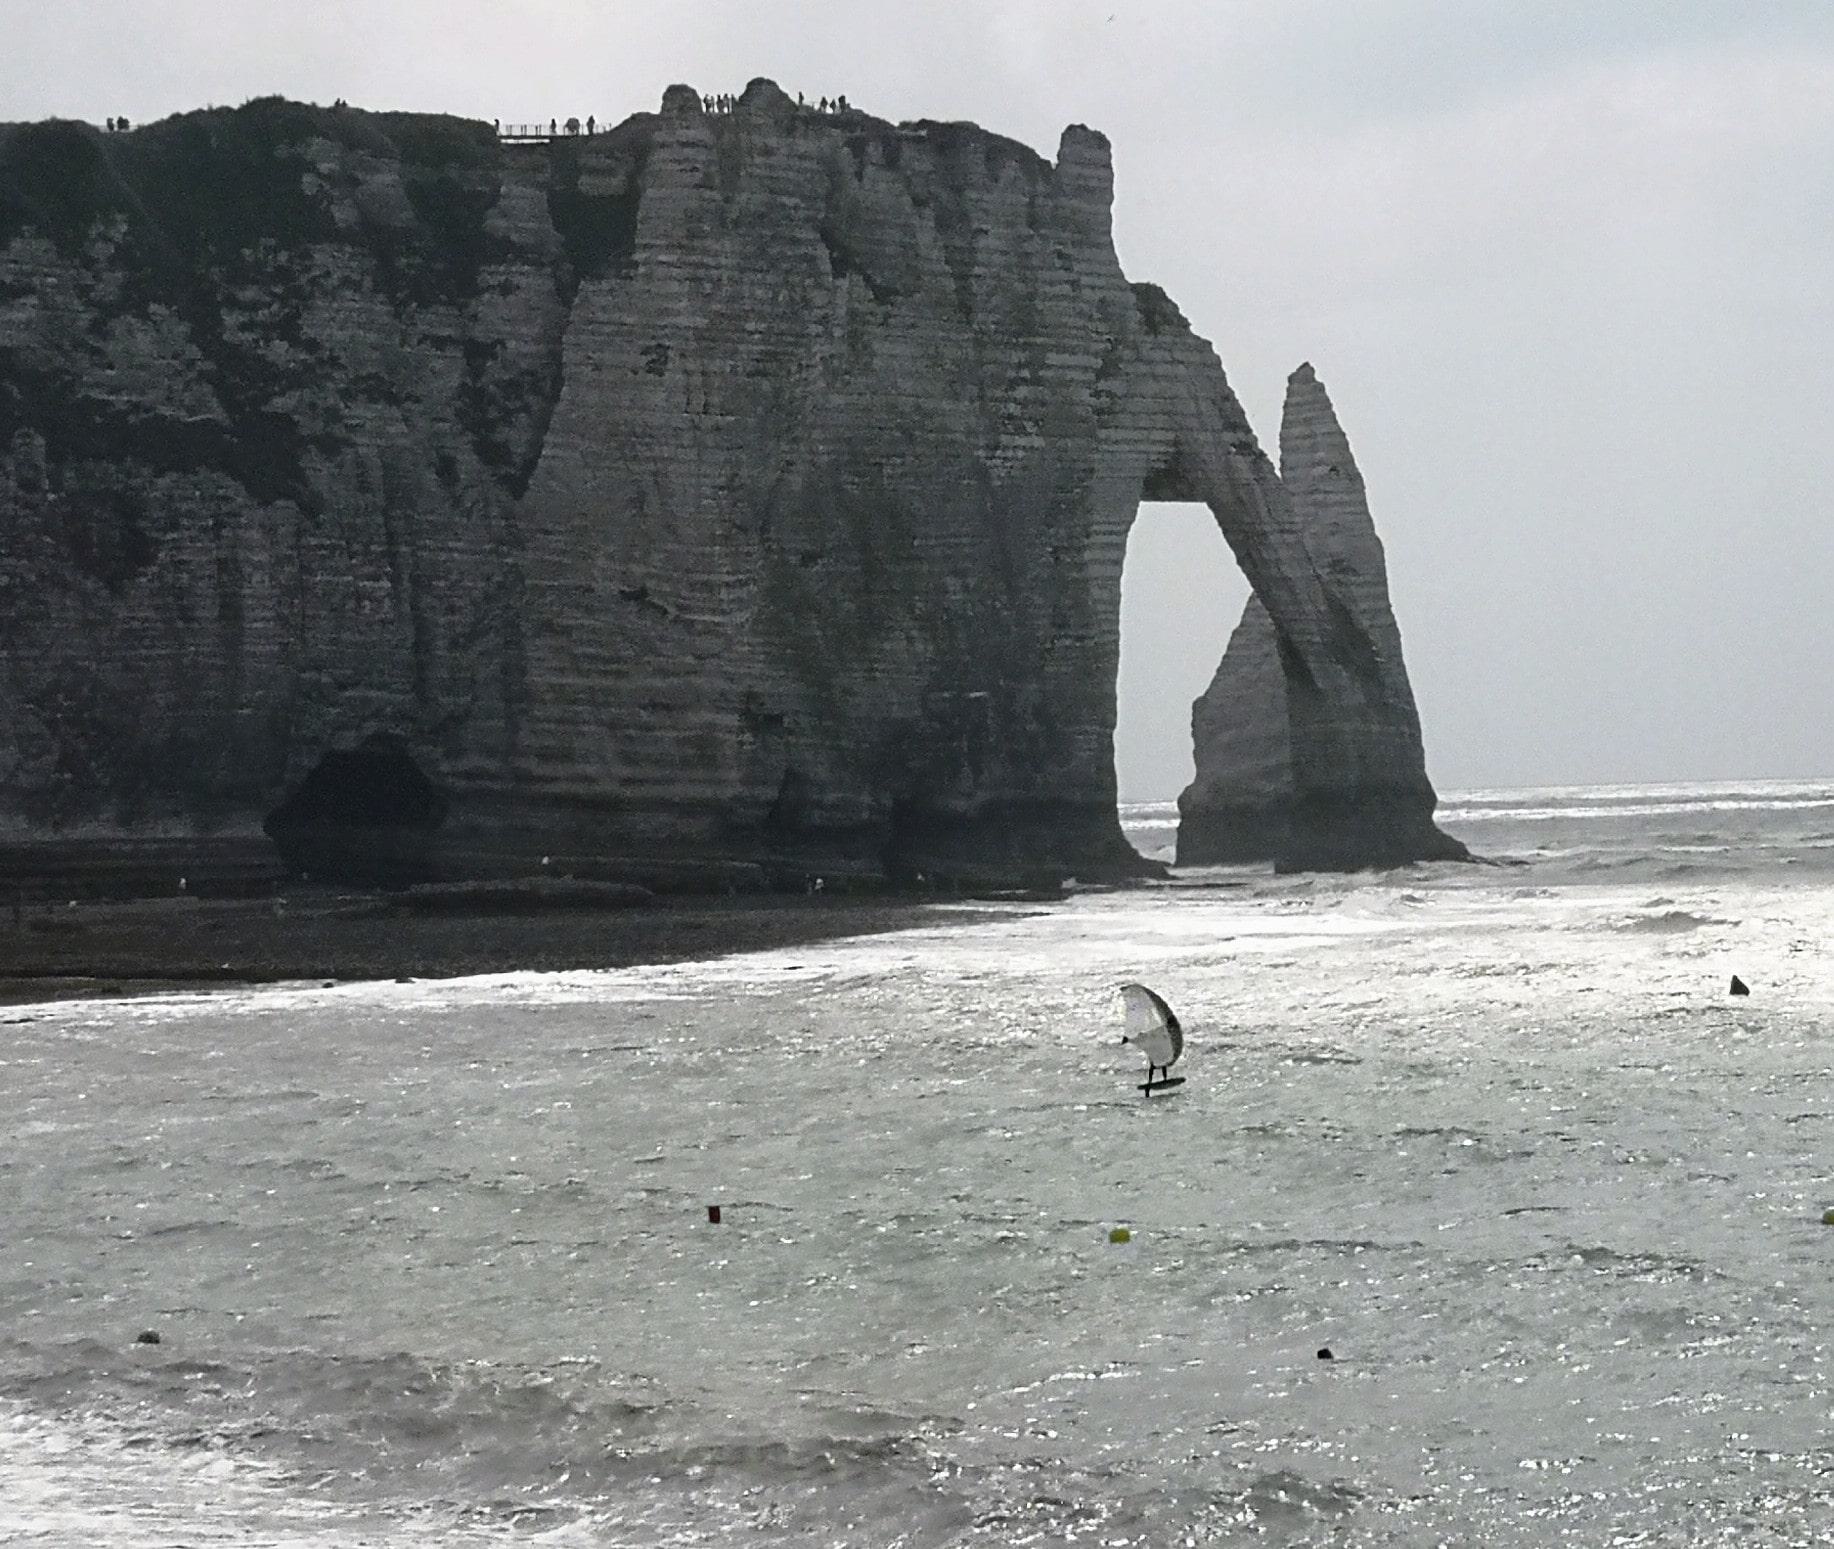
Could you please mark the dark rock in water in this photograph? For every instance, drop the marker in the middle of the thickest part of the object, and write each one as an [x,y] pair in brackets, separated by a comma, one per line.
[1324,1353]
[1051,893]
[1253,797]
[730,487]
[146,1337]
[1738,987]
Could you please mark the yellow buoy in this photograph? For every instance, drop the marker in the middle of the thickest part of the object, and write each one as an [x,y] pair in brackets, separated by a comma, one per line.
[1827,1217]
[1121,1234]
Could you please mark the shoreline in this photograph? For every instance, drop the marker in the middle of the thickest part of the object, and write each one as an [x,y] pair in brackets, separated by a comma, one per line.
[154,946]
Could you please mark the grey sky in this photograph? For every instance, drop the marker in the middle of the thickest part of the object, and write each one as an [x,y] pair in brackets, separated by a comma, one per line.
[1566,268]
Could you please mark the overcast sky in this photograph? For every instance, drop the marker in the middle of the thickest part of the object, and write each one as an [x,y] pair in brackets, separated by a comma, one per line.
[1566,268]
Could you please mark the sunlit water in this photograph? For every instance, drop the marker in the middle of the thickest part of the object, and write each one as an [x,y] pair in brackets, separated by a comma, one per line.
[431,1263]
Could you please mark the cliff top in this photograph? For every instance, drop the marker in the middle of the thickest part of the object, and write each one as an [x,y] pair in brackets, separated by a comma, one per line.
[209,174]
[201,187]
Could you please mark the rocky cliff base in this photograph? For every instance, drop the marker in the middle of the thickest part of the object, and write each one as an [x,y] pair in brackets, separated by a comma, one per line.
[158,945]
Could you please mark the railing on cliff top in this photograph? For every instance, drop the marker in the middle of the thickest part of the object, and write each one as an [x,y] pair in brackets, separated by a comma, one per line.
[572,128]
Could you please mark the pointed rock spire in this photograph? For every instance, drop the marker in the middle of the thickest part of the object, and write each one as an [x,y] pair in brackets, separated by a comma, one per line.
[1242,804]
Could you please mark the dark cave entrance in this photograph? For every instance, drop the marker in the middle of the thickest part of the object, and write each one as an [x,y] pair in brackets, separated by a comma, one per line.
[363,815]
[1181,595]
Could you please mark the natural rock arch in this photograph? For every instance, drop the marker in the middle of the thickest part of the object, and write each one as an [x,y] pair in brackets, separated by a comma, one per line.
[714,457]
[1357,790]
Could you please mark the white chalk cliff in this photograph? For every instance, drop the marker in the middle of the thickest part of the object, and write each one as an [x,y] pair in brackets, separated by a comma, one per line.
[738,488]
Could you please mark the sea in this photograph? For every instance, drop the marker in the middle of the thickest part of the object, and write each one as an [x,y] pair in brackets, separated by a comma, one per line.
[1485,1216]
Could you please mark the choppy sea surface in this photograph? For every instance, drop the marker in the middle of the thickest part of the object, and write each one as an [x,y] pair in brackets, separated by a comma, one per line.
[431,1264]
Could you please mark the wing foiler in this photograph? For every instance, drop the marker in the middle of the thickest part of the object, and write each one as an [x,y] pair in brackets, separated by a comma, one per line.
[1153,1028]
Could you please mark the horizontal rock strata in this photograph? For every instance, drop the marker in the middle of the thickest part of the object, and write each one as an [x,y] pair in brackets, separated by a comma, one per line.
[723,488]
[1248,800]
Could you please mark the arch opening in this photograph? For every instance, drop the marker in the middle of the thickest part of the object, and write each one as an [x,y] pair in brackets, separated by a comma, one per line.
[1181,595]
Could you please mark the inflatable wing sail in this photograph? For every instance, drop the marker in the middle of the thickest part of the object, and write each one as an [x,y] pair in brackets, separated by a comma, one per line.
[1152,1026]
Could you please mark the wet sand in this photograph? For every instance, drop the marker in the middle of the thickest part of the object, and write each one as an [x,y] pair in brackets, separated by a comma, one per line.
[56,952]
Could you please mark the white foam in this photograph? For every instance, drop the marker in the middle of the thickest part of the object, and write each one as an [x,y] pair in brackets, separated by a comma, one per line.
[76,1484]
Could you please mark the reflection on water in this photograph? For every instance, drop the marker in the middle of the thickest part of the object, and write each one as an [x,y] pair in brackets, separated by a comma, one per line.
[432,1263]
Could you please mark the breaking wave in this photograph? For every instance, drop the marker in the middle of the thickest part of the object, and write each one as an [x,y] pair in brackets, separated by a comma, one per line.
[1679,831]
[1671,921]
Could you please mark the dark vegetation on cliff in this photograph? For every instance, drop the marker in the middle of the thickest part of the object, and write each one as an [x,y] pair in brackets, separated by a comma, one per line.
[599,229]
[201,206]
[200,189]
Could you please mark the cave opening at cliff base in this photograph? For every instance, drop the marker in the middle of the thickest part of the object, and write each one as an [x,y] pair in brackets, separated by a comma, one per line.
[1181,594]
[362,815]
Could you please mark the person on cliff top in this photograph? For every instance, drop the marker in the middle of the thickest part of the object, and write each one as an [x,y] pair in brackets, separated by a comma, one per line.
[591,124]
